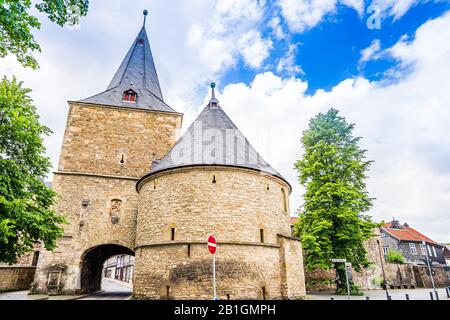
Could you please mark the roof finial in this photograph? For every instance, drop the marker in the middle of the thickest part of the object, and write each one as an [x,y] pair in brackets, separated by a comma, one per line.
[213,103]
[212,85]
[145,16]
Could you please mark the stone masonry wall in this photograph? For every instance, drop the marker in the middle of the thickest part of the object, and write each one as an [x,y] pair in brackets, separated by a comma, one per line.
[291,258]
[98,138]
[235,208]
[105,151]
[241,272]
[13,278]
[91,225]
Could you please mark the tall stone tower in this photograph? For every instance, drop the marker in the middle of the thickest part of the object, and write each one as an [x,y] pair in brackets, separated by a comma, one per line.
[214,181]
[111,140]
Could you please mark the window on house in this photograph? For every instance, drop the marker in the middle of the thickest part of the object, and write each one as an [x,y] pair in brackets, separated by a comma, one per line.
[412,248]
[385,250]
[434,252]
[429,250]
[383,235]
[172,234]
[423,249]
[129,96]
[140,42]
[261,235]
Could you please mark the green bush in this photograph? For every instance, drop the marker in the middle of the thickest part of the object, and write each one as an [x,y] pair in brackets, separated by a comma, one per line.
[395,256]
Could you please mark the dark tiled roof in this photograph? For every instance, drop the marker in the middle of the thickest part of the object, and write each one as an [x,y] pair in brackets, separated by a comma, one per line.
[138,73]
[405,233]
[213,139]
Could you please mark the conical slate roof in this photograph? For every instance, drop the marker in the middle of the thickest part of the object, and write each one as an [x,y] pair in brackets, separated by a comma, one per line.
[137,72]
[213,139]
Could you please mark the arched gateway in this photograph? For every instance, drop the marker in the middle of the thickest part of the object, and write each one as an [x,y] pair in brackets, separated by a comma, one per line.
[128,185]
[92,265]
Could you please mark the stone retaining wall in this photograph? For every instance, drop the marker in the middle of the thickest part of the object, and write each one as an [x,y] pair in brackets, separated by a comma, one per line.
[14,278]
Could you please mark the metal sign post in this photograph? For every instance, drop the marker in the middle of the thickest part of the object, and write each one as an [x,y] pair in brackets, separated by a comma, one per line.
[214,275]
[212,246]
[429,269]
[344,261]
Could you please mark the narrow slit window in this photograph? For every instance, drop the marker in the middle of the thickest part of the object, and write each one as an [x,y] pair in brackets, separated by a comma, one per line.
[214,179]
[283,193]
[172,234]
[35,259]
[168,292]
[263,291]
[189,250]
[261,235]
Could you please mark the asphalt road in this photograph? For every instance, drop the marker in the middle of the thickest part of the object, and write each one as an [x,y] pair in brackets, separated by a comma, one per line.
[113,290]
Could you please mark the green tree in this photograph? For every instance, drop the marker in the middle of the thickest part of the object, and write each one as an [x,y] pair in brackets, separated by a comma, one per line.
[26,216]
[333,171]
[16,24]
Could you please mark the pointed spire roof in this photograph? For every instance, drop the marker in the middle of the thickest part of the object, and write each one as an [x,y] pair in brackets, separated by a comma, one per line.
[213,139]
[137,72]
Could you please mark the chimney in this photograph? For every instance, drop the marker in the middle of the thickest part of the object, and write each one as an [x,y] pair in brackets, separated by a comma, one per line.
[406,225]
[395,224]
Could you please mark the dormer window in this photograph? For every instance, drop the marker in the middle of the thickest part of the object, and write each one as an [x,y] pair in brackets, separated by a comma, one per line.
[129,96]
[140,42]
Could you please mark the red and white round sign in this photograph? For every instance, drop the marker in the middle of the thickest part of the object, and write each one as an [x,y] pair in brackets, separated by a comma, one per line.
[212,244]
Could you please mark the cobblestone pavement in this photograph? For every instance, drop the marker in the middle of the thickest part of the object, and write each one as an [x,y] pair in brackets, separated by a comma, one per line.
[414,294]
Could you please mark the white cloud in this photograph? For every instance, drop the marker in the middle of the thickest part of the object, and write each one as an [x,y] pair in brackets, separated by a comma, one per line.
[305,14]
[358,5]
[395,8]
[277,29]
[372,52]
[302,15]
[253,48]
[287,62]
[404,127]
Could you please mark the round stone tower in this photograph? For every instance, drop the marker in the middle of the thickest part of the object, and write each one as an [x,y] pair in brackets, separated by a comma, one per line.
[214,182]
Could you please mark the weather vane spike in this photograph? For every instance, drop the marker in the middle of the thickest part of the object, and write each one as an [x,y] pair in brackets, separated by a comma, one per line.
[145,16]
[213,85]
[213,103]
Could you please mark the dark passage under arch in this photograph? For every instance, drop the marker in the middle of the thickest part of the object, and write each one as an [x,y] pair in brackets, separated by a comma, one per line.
[92,265]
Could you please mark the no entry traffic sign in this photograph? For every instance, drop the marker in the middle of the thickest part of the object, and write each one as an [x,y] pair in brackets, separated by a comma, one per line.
[212,244]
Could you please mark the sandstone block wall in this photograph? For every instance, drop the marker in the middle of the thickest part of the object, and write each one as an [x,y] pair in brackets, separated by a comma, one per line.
[235,208]
[13,278]
[116,141]
[242,271]
[243,209]
[105,151]
[96,223]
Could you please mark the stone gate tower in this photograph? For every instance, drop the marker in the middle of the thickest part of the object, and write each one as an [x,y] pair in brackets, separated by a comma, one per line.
[110,141]
[127,185]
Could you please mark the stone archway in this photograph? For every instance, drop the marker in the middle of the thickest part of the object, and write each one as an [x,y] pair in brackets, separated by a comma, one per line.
[92,264]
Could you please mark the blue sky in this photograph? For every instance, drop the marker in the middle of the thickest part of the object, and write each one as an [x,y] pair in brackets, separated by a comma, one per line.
[330,52]
[277,64]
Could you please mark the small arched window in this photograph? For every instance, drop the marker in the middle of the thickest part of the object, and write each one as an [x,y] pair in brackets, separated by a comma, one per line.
[130,96]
